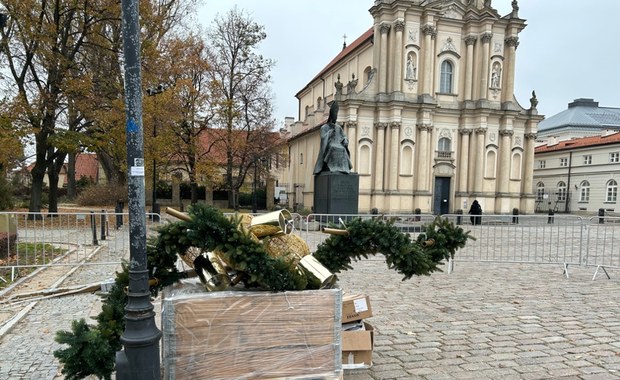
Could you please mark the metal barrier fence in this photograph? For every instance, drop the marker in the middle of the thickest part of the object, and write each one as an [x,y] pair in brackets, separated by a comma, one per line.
[36,240]
[535,239]
[30,239]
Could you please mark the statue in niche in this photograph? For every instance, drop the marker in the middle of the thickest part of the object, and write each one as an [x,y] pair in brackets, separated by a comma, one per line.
[411,69]
[334,153]
[496,76]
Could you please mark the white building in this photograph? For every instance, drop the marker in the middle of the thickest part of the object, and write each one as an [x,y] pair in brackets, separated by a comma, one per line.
[578,175]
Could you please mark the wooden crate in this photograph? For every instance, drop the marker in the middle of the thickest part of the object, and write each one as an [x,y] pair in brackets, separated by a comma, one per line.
[252,335]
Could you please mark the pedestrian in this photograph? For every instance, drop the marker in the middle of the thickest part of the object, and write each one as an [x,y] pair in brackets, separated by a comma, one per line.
[475,209]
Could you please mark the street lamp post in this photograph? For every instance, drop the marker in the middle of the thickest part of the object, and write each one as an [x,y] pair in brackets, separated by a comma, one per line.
[139,358]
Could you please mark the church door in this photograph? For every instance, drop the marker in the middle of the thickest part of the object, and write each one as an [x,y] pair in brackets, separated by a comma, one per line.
[441,196]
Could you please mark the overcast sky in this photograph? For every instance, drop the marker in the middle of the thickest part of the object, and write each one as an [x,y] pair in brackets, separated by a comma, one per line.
[568,50]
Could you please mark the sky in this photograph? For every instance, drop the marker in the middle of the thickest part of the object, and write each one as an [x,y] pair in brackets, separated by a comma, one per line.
[568,50]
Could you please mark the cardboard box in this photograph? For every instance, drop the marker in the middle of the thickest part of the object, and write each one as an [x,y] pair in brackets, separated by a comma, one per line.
[252,335]
[357,347]
[355,307]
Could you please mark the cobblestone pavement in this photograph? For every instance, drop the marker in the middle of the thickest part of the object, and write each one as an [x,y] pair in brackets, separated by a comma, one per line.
[483,321]
[490,321]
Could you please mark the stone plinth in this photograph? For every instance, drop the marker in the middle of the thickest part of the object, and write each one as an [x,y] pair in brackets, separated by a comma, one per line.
[336,193]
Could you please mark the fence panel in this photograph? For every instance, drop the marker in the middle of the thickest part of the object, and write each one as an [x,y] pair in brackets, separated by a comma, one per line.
[523,239]
[41,239]
[602,243]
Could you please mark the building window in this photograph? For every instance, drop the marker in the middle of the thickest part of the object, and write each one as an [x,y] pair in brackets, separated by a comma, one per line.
[445,81]
[561,191]
[542,164]
[540,191]
[584,191]
[489,171]
[563,161]
[587,159]
[444,148]
[614,157]
[612,191]
[367,75]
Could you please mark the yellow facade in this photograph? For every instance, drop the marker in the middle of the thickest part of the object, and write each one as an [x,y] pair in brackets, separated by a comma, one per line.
[427,100]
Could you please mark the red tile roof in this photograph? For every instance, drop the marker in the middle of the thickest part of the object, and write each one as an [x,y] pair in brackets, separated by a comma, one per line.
[368,35]
[86,165]
[582,142]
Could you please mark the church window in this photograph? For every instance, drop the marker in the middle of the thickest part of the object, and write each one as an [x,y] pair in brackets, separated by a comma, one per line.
[367,75]
[445,81]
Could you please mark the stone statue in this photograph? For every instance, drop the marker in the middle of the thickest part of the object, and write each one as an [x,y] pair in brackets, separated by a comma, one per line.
[533,100]
[334,153]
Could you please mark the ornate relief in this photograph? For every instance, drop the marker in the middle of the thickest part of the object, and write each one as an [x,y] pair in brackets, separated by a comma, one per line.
[395,125]
[429,29]
[512,41]
[505,132]
[445,133]
[448,45]
[470,40]
[518,141]
[384,28]
[480,131]
[497,47]
[351,124]
[381,125]
[465,131]
[425,127]
[365,131]
[486,37]
[408,132]
[531,136]
[413,36]
[492,137]
[399,25]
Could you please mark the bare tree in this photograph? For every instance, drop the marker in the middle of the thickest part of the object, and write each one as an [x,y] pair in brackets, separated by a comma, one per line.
[240,94]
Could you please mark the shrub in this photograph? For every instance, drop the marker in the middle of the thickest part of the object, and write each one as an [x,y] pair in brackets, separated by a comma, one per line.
[102,195]
[6,194]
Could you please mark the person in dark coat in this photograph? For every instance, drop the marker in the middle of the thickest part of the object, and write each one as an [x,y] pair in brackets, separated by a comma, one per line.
[475,209]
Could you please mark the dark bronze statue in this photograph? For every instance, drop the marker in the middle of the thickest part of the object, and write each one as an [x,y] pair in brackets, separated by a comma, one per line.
[334,153]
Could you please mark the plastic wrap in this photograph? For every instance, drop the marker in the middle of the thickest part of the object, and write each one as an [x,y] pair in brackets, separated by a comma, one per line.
[242,334]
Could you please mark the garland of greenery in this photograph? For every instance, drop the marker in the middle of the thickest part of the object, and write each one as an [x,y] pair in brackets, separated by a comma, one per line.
[92,349]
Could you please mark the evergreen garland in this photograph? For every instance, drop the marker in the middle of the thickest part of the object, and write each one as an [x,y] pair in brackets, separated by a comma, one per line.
[92,350]
[374,235]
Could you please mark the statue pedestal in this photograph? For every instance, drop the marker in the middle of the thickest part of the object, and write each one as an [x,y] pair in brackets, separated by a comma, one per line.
[336,193]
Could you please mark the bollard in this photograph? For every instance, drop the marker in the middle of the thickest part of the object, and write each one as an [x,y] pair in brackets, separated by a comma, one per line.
[93,224]
[515,216]
[550,218]
[459,217]
[601,216]
[119,213]
[417,212]
[102,224]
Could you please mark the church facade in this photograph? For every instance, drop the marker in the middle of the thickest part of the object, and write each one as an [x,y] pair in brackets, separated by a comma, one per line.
[426,99]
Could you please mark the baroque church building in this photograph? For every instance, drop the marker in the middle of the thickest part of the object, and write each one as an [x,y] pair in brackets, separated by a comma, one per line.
[427,101]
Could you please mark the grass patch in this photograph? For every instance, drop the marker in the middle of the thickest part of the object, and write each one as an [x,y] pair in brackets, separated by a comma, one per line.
[28,256]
